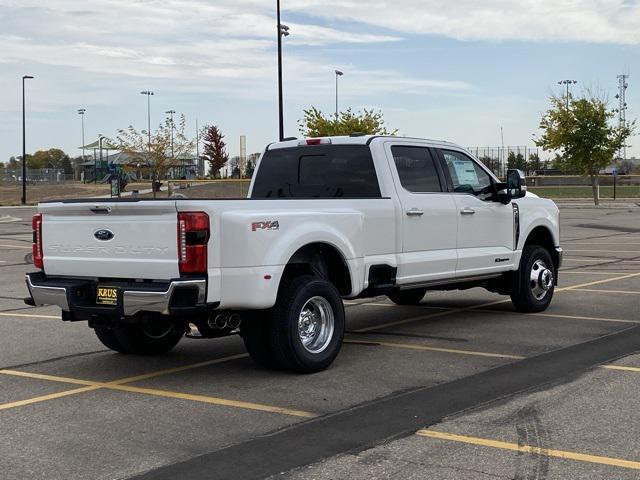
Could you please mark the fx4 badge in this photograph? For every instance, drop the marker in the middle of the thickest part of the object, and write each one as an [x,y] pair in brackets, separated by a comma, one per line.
[273,225]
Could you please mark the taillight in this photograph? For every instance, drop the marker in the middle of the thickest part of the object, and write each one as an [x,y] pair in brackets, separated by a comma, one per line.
[193,235]
[36,226]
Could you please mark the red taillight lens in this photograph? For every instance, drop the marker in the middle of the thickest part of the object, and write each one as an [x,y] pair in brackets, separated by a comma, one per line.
[36,226]
[193,236]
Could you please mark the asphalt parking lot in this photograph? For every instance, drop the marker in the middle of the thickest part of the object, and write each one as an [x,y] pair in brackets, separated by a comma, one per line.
[461,387]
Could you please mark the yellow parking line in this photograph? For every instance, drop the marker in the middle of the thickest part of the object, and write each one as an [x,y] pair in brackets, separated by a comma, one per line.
[622,368]
[584,272]
[212,400]
[120,385]
[578,317]
[29,315]
[602,251]
[604,291]
[169,371]
[598,282]
[44,398]
[411,346]
[483,442]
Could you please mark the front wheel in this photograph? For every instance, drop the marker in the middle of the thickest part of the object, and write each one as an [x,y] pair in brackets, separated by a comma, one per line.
[407,297]
[306,325]
[535,280]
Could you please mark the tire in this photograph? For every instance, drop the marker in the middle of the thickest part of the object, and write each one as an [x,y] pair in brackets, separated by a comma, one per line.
[155,335]
[407,297]
[108,339]
[534,280]
[313,349]
[255,334]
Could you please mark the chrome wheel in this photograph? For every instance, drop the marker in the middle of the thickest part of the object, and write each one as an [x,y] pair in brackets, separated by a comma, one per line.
[541,279]
[316,324]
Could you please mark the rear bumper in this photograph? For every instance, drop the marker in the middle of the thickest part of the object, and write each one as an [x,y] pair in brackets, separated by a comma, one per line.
[180,296]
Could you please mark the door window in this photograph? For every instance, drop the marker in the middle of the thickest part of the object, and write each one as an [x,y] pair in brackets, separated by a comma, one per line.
[466,175]
[416,169]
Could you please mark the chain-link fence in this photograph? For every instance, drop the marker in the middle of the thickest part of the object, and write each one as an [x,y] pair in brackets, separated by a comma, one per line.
[34,176]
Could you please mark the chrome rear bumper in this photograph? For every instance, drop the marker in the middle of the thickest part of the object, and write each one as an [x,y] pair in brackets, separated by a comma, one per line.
[135,297]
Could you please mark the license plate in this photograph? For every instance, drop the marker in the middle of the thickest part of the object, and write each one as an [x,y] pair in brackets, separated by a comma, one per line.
[107,296]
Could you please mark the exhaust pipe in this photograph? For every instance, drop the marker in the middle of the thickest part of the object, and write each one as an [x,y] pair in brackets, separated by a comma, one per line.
[234,321]
[217,322]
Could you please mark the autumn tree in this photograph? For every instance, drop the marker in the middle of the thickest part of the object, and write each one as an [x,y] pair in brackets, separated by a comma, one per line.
[154,153]
[215,149]
[316,124]
[584,135]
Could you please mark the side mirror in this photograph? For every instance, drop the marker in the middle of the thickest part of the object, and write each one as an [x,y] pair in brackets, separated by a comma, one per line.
[516,184]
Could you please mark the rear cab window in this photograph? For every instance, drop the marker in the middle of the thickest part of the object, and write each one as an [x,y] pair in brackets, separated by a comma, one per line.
[317,171]
[416,169]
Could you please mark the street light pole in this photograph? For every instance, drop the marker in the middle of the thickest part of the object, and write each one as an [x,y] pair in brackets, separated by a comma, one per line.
[338,74]
[148,93]
[81,112]
[24,145]
[283,31]
[567,83]
[170,113]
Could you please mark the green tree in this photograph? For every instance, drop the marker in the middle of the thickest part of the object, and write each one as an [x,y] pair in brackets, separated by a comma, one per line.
[52,158]
[316,124]
[534,162]
[491,163]
[584,135]
[155,154]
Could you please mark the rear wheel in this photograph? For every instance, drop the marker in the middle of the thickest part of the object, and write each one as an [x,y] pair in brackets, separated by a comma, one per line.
[407,297]
[108,339]
[307,324]
[535,280]
[154,335]
[255,334]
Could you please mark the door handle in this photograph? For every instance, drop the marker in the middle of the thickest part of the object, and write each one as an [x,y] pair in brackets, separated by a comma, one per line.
[467,211]
[414,212]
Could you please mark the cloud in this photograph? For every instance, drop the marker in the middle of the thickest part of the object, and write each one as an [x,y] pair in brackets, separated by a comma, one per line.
[595,21]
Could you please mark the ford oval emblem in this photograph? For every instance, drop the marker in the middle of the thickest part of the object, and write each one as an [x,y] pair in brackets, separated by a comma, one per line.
[103,234]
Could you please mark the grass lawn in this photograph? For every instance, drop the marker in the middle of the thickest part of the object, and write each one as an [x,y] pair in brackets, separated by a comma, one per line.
[586,192]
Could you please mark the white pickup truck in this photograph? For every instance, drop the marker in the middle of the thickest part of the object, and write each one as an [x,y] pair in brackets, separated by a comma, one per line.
[325,219]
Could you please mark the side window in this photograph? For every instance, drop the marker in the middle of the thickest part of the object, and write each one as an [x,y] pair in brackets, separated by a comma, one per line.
[466,175]
[416,169]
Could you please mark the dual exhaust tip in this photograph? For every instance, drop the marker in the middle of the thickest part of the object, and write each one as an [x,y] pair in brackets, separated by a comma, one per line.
[223,321]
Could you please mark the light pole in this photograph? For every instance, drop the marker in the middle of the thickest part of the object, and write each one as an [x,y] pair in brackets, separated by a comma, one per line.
[81,112]
[338,74]
[283,31]
[95,167]
[567,83]
[148,93]
[170,113]
[24,145]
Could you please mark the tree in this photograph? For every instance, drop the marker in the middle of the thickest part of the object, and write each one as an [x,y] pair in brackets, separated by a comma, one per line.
[155,155]
[215,149]
[491,163]
[52,158]
[316,124]
[534,162]
[583,134]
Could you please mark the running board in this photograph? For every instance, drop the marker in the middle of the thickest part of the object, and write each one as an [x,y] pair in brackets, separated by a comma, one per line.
[449,281]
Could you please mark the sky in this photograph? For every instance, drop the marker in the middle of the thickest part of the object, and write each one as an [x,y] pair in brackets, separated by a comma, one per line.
[451,70]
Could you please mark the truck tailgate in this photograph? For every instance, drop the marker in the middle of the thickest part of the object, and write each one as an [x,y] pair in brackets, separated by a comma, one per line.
[136,240]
